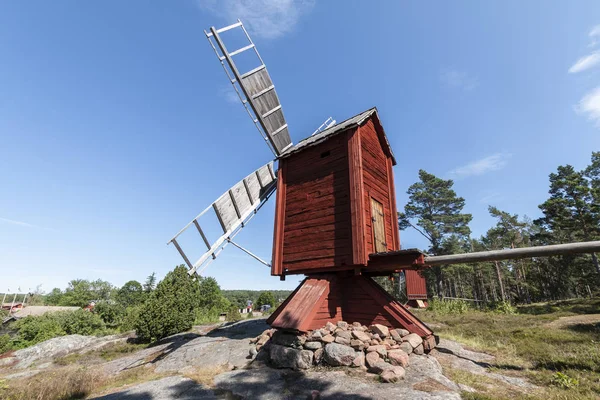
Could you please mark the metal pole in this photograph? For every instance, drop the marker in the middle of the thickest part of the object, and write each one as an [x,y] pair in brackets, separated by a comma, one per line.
[257,258]
[511,254]
[12,305]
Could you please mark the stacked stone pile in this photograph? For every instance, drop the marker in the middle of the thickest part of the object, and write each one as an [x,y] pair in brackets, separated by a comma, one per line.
[375,349]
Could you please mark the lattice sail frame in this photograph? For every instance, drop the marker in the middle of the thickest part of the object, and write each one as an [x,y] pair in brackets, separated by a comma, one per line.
[233,209]
[255,90]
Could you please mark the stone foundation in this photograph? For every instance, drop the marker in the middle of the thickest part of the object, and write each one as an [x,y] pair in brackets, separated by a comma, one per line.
[376,349]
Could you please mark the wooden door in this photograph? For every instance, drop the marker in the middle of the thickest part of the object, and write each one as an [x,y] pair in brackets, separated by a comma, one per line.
[378,226]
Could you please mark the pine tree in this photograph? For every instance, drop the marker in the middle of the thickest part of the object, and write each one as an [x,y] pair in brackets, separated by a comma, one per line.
[438,211]
[571,213]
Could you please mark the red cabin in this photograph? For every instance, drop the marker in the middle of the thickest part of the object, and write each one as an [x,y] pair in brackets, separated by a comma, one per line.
[336,202]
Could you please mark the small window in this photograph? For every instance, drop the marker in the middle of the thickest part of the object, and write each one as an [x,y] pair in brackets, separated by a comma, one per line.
[325,154]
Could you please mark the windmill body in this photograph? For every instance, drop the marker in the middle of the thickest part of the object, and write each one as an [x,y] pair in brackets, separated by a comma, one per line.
[335,218]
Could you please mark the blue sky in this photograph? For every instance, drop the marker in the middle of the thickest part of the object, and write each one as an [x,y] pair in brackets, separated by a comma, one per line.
[117,125]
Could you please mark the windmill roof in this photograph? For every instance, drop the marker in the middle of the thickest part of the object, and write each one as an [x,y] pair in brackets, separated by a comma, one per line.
[328,133]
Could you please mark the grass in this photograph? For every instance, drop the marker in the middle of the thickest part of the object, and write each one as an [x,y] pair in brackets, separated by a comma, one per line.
[564,360]
[72,382]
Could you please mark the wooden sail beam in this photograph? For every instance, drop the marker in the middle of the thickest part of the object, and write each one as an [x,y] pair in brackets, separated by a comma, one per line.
[511,254]
[415,259]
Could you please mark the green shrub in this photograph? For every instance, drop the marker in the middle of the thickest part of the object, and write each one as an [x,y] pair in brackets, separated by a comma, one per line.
[5,344]
[80,322]
[233,314]
[170,308]
[111,313]
[36,329]
[564,381]
[207,316]
[503,307]
[130,318]
[448,306]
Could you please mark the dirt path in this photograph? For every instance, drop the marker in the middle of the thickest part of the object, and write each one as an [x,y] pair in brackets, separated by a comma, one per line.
[565,322]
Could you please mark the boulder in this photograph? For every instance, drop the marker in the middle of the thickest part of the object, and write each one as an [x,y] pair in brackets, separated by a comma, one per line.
[342,324]
[395,335]
[356,325]
[379,349]
[357,345]
[381,330]
[403,332]
[392,375]
[253,352]
[380,366]
[318,356]
[337,354]
[316,335]
[359,360]
[262,339]
[374,342]
[375,336]
[328,338]
[313,345]
[419,350]
[406,347]
[330,327]
[342,340]
[413,339]
[288,339]
[344,334]
[286,357]
[398,357]
[372,359]
[360,335]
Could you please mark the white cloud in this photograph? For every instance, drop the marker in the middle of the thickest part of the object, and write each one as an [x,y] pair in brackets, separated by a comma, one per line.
[228,94]
[590,105]
[268,19]
[587,62]
[491,197]
[494,162]
[594,35]
[24,224]
[458,79]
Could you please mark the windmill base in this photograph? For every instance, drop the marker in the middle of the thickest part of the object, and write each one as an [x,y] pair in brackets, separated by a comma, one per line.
[356,298]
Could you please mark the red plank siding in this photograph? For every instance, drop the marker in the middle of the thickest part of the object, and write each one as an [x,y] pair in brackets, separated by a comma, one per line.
[376,182]
[317,221]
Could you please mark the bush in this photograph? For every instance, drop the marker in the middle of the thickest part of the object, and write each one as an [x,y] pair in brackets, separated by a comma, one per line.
[32,330]
[111,314]
[564,381]
[502,307]
[170,308]
[130,318]
[233,314]
[448,306]
[5,344]
[207,316]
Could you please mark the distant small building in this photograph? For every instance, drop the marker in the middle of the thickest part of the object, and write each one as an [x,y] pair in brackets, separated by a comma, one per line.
[10,307]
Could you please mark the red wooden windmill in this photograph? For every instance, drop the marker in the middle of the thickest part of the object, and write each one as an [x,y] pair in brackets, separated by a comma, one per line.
[335,219]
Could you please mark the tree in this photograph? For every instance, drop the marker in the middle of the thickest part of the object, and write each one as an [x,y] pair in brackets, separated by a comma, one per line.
[170,308]
[438,211]
[210,296]
[131,294]
[266,298]
[150,283]
[571,213]
[54,297]
[78,293]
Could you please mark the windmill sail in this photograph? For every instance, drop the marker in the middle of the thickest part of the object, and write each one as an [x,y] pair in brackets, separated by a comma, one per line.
[233,210]
[255,90]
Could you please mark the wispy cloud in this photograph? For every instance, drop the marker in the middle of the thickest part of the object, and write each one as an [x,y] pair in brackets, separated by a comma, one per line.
[228,94]
[589,105]
[482,166]
[591,60]
[24,224]
[594,36]
[269,19]
[587,62]
[457,79]
[491,197]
